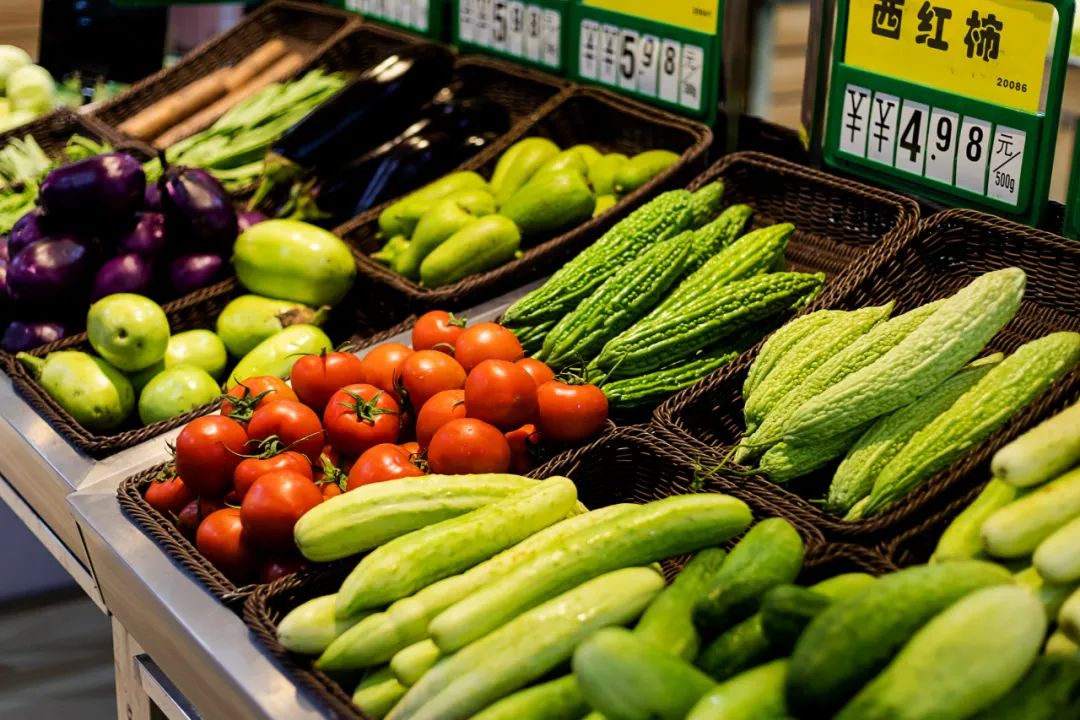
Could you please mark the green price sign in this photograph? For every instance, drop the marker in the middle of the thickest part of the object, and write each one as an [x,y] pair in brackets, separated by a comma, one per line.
[950,99]
[666,53]
[528,31]
[419,16]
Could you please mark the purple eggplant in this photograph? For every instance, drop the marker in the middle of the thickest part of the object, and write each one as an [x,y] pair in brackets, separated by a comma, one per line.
[147,237]
[5,298]
[129,273]
[27,229]
[4,248]
[21,336]
[55,270]
[198,212]
[152,197]
[247,218]
[100,192]
[194,272]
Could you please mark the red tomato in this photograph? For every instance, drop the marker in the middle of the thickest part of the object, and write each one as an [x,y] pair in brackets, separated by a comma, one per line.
[427,372]
[359,416]
[440,409]
[468,446]
[381,364]
[523,443]
[329,490]
[413,448]
[570,413]
[293,423]
[251,469]
[437,330]
[316,377]
[381,462]
[486,341]
[252,393]
[188,519]
[539,372]
[274,568]
[221,540]
[208,450]
[169,496]
[273,505]
[500,393]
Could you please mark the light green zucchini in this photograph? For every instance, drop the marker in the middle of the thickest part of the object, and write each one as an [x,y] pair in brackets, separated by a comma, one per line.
[1017,529]
[410,664]
[756,694]
[1051,595]
[1058,556]
[962,540]
[378,692]
[311,627]
[1042,453]
[558,699]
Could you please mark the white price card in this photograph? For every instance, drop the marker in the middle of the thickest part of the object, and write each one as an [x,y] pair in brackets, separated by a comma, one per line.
[648,62]
[551,46]
[911,142]
[482,33]
[670,52]
[973,155]
[628,59]
[1006,161]
[884,116]
[941,145]
[690,76]
[856,120]
[500,24]
[515,43]
[467,20]
[609,54]
[534,30]
[588,50]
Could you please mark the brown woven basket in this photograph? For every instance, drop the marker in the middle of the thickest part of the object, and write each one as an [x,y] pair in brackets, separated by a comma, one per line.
[585,115]
[948,251]
[305,27]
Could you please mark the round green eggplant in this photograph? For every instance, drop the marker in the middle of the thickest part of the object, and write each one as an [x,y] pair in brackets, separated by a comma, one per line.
[294,261]
[276,354]
[175,391]
[249,319]
[95,393]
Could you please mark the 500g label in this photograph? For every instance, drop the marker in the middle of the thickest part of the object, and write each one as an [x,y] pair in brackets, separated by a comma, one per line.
[1012,84]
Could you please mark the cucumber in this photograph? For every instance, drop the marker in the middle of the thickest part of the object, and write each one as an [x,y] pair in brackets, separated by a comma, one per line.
[756,694]
[311,627]
[1049,691]
[410,664]
[1058,556]
[668,621]
[960,662]
[769,555]
[1042,453]
[853,639]
[558,699]
[962,540]
[411,562]
[626,678]
[1069,617]
[378,692]
[1059,644]
[786,610]
[661,529]
[1018,528]
[1051,595]
[378,637]
[528,646]
[374,514]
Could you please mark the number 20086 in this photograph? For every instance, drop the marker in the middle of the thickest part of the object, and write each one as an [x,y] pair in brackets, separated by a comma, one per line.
[1012,85]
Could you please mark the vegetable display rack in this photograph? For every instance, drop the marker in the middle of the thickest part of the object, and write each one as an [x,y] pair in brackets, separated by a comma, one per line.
[947,252]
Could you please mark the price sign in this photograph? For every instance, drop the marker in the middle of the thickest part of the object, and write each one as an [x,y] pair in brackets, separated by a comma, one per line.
[421,16]
[666,53]
[957,100]
[530,31]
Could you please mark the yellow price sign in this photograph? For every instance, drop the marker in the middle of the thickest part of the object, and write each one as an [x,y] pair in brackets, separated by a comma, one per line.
[991,50]
[698,15]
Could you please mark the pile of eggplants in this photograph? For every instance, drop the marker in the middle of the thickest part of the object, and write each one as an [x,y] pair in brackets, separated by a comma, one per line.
[351,153]
[101,229]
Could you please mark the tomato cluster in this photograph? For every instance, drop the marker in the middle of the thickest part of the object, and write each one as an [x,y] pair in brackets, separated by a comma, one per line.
[462,399]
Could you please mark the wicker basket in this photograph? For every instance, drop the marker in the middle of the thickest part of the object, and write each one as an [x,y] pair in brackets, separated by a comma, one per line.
[586,115]
[948,251]
[305,27]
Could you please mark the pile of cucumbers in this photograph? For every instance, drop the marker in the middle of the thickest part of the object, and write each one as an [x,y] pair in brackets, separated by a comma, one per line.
[668,295]
[463,224]
[897,399]
[1028,518]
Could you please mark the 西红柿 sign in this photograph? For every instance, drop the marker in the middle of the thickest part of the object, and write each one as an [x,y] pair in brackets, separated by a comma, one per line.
[529,31]
[943,98]
[421,16]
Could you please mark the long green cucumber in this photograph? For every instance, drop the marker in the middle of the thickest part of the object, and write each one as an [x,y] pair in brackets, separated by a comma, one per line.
[668,622]
[558,699]
[626,678]
[756,694]
[311,627]
[1018,529]
[1042,453]
[781,342]
[1049,691]
[378,692]
[962,540]
[1069,617]
[410,664]
[1057,557]
[661,529]
[378,637]
[1060,644]
[379,512]
[411,562]
[528,646]
[1051,595]
[770,554]
[960,662]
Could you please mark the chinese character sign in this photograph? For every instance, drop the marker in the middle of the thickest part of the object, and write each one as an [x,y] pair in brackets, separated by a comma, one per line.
[992,50]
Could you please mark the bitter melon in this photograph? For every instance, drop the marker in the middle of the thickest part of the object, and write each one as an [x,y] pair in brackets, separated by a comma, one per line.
[780,342]
[787,461]
[711,238]
[653,387]
[705,202]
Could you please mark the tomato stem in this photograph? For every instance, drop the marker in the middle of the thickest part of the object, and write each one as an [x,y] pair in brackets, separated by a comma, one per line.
[245,405]
[366,410]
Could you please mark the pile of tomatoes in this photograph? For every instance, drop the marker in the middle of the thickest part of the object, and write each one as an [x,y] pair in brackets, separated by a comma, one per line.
[462,399]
